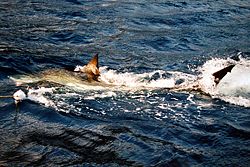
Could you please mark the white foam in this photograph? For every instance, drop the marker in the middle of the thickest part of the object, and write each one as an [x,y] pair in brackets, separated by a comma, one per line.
[237,82]
[233,88]
[206,82]
[79,68]
[238,100]
[37,95]
[50,98]
[101,95]
[132,80]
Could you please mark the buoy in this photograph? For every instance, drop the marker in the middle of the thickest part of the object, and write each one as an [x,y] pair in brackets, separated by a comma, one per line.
[19,96]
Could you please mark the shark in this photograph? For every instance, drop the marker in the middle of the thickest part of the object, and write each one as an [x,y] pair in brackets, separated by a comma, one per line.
[89,76]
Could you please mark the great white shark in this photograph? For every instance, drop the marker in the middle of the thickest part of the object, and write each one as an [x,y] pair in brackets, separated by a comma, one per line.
[89,74]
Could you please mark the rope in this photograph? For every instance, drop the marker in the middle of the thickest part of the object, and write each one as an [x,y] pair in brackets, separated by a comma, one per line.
[6,96]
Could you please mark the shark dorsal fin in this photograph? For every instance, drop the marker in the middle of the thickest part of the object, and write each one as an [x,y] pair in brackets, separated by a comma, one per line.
[94,61]
[221,73]
[92,69]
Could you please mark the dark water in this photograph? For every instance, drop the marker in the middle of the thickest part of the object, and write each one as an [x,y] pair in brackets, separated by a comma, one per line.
[146,127]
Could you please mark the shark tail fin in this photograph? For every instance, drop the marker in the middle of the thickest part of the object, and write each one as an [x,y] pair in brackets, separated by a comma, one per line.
[218,75]
[92,69]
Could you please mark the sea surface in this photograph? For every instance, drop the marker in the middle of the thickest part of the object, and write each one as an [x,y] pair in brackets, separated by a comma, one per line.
[134,116]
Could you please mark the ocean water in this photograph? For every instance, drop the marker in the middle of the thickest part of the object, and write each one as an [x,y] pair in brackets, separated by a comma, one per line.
[134,116]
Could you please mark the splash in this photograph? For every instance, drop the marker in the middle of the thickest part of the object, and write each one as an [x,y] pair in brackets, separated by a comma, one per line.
[38,95]
[132,80]
[233,88]
[206,80]
[101,95]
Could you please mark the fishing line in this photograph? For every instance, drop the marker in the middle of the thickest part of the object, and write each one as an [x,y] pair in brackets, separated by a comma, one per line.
[6,96]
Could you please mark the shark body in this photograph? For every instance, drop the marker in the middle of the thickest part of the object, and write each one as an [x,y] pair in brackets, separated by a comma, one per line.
[89,75]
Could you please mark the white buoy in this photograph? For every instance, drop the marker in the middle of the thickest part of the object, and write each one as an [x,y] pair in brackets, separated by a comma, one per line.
[19,96]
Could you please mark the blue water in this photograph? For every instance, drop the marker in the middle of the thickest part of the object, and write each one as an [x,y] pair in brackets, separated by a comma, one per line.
[136,126]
